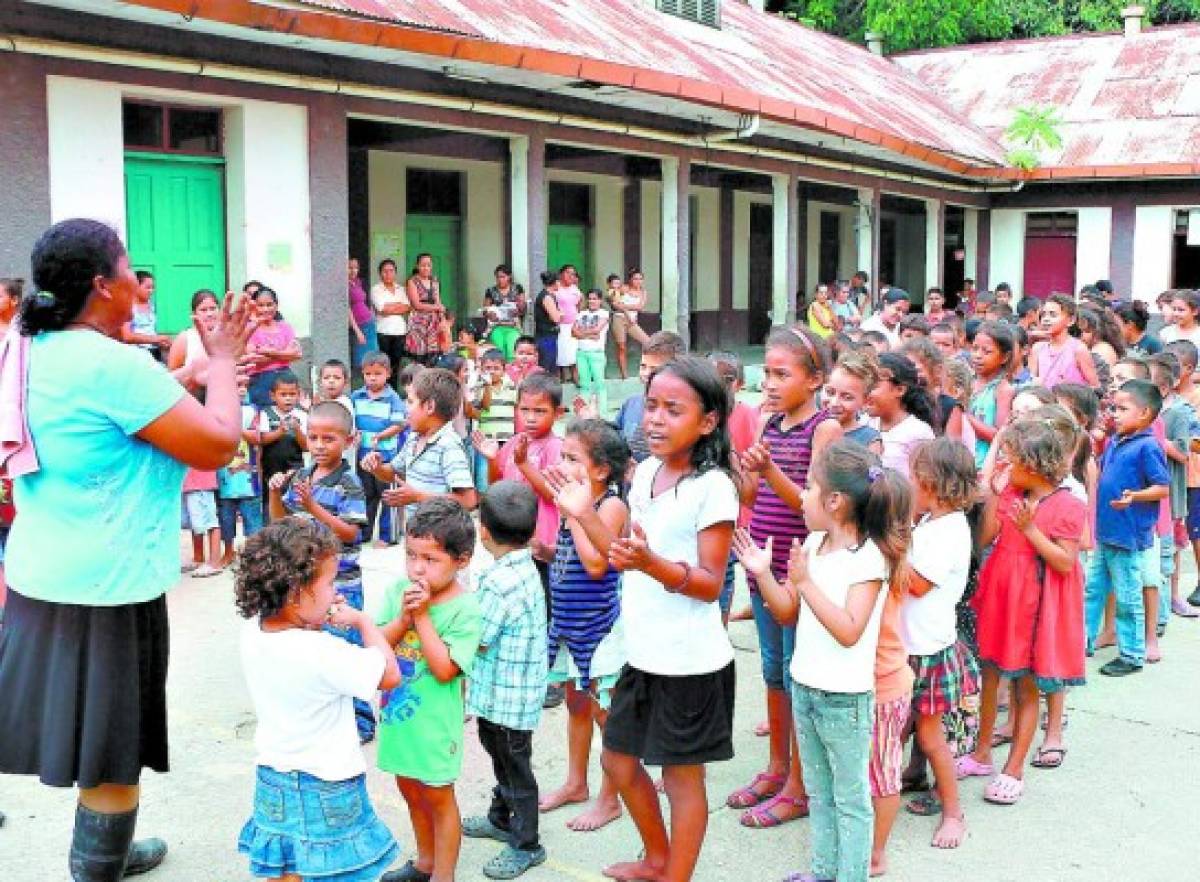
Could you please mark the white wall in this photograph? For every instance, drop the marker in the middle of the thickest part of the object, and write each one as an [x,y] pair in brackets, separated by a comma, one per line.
[652,243]
[87,151]
[485,205]
[706,257]
[848,242]
[1007,259]
[266,177]
[1093,246]
[1153,244]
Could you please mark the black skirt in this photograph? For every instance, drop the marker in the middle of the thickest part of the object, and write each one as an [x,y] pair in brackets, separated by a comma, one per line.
[83,691]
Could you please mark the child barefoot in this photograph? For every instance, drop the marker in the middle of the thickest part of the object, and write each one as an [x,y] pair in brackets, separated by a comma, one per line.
[940,559]
[302,681]
[859,513]
[1030,595]
[434,625]
[673,705]
[587,648]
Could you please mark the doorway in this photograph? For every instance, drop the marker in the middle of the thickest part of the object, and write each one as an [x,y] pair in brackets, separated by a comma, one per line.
[1050,253]
[433,225]
[760,271]
[1185,264]
[569,235]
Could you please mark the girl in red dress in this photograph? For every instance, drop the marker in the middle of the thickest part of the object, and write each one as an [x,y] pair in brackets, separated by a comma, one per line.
[1030,597]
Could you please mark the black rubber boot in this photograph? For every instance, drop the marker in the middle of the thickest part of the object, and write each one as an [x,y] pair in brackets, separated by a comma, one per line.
[102,847]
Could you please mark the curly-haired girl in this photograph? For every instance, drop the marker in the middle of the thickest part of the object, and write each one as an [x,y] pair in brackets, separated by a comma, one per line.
[303,680]
[1030,598]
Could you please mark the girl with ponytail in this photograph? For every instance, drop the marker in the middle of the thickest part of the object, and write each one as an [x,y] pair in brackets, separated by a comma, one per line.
[837,587]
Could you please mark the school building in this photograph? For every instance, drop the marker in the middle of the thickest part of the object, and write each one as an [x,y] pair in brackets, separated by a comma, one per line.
[736,157]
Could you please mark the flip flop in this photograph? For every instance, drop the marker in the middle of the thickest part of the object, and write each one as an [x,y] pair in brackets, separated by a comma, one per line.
[762,816]
[926,805]
[966,766]
[999,739]
[1057,754]
[748,797]
[1004,790]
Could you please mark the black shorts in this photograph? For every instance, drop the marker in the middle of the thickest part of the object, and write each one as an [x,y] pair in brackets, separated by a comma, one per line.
[83,691]
[672,720]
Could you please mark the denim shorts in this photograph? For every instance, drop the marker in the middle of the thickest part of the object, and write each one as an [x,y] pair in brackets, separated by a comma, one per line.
[725,599]
[199,511]
[775,644]
[1151,561]
[315,829]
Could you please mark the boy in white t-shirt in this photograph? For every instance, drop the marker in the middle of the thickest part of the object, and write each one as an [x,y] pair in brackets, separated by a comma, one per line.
[943,476]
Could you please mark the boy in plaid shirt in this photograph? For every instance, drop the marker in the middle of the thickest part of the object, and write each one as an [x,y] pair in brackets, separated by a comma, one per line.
[508,681]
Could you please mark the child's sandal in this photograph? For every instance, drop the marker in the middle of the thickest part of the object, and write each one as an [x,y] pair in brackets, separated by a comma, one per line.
[749,796]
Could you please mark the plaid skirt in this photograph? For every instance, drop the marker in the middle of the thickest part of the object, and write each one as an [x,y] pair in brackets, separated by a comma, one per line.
[943,679]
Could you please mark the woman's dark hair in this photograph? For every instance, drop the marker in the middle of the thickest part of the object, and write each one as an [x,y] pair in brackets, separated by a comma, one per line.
[1104,325]
[880,501]
[142,275]
[548,278]
[1000,333]
[502,268]
[1065,302]
[202,295]
[417,261]
[1081,400]
[270,292]
[451,361]
[605,445]
[712,451]
[1134,313]
[805,346]
[278,561]
[916,400]
[387,261]
[66,260]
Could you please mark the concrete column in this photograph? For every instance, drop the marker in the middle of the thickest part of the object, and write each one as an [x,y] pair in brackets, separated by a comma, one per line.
[793,247]
[25,157]
[1121,254]
[328,177]
[676,240]
[984,261]
[935,229]
[970,243]
[800,235]
[865,225]
[518,210]
[782,246]
[535,209]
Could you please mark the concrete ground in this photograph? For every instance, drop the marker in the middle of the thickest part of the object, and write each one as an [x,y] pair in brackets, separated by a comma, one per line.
[1122,805]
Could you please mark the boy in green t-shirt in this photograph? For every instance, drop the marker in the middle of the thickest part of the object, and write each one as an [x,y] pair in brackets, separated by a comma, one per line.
[434,625]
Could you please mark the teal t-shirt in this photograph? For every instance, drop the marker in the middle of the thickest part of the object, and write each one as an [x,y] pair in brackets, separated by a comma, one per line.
[99,521]
[421,720]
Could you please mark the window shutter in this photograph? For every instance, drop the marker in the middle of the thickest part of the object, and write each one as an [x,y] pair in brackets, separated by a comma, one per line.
[705,12]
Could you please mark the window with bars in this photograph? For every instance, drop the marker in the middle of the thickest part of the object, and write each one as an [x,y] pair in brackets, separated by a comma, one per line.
[705,12]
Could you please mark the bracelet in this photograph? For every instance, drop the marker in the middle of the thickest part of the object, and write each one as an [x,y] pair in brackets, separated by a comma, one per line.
[687,578]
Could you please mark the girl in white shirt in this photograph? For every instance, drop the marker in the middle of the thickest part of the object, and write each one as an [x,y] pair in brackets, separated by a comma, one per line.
[312,816]
[673,706]
[903,412]
[859,514]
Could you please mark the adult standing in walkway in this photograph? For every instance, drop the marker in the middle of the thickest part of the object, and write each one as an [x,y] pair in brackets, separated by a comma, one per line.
[626,305]
[363,337]
[546,322]
[568,296]
[188,359]
[425,341]
[272,348]
[390,300]
[98,463]
[504,307]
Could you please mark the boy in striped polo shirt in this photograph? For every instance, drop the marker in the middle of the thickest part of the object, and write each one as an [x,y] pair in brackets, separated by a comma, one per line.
[379,417]
[498,409]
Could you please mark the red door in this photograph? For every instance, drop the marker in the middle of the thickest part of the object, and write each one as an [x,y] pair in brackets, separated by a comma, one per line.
[1049,265]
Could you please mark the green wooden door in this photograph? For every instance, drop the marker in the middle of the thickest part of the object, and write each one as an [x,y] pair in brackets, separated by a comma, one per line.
[441,236]
[175,210]
[570,243]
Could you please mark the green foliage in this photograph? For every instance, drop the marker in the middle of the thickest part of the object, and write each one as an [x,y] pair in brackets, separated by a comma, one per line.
[923,24]
[1033,130]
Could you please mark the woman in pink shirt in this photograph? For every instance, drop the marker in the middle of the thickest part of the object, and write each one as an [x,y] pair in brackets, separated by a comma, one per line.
[567,296]
[363,338]
[272,347]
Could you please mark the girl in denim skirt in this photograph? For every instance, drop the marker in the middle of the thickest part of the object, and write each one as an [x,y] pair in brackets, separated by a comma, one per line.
[312,818]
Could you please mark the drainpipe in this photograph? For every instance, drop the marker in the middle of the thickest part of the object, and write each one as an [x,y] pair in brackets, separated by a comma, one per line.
[1133,19]
[874,42]
[747,128]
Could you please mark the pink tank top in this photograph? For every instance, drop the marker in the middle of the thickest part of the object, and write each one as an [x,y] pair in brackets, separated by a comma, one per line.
[1061,366]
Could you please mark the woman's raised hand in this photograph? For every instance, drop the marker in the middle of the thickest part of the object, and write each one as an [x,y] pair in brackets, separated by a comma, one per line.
[232,330]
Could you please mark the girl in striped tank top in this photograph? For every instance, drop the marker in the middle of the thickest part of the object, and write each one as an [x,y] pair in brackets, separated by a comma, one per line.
[587,649]
[797,366]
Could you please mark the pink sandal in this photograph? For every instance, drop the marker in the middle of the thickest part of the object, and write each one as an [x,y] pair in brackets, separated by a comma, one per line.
[966,766]
[1004,790]
[763,816]
[748,796]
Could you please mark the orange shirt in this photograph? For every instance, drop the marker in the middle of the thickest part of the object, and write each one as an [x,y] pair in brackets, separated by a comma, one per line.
[893,677]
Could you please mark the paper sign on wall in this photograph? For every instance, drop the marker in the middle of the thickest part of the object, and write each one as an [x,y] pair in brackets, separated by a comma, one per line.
[279,256]
[388,243]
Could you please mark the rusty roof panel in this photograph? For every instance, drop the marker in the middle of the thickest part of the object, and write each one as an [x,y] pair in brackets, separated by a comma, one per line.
[1123,100]
[752,52]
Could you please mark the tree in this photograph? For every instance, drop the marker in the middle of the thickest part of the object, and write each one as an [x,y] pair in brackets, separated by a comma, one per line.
[1032,131]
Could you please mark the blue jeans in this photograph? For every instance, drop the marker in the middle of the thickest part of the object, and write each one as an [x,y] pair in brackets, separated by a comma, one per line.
[775,644]
[250,508]
[1119,571]
[834,733]
[363,715]
[1167,565]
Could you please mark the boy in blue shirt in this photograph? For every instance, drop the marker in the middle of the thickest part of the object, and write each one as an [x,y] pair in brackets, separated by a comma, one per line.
[329,492]
[1133,480]
[660,350]
[379,418]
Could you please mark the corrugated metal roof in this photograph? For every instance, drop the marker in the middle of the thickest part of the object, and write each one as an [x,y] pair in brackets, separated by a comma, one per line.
[1124,101]
[763,55]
